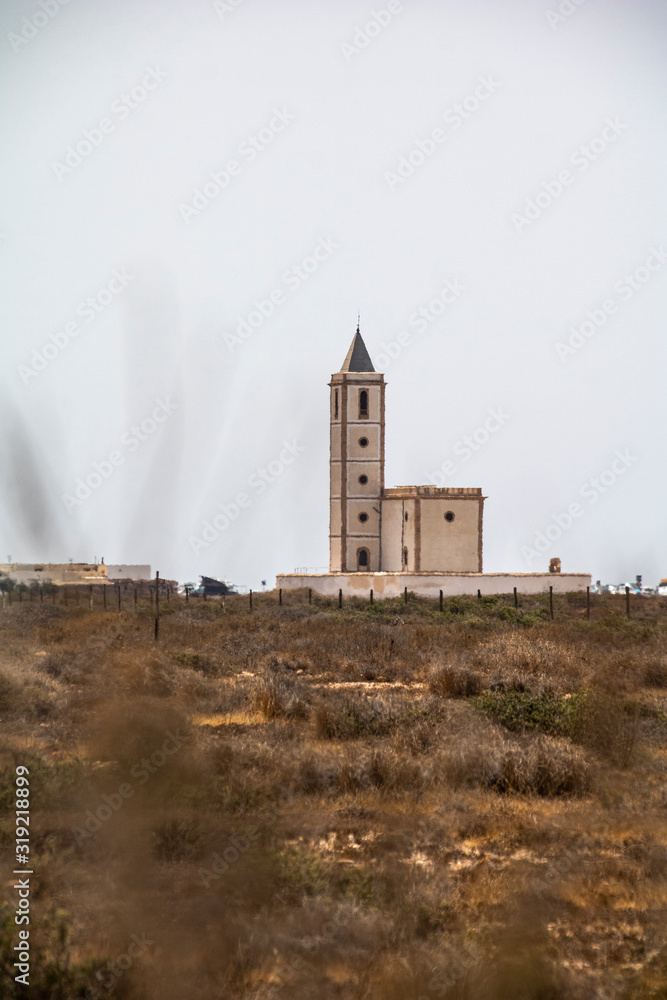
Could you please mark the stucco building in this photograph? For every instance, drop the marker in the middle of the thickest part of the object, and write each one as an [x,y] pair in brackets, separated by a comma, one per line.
[417,529]
[426,538]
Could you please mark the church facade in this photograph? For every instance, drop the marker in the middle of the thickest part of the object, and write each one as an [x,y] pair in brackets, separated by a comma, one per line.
[415,529]
[425,538]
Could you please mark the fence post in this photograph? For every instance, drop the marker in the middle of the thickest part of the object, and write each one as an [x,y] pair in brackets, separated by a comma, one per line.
[479,595]
[204,592]
[280,597]
[157,605]
[516,599]
[405,595]
[371,599]
[441,600]
[310,595]
[588,602]
[551,600]
[250,596]
[627,601]
[187,594]
[340,598]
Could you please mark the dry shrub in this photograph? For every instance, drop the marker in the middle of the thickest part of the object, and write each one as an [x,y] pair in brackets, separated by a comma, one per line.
[176,840]
[543,766]
[11,694]
[351,716]
[610,727]
[278,698]
[527,658]
[455,682]
[390,772]
[655,673]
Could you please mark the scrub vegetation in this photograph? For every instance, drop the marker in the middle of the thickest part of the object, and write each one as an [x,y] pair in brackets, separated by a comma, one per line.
[381,801]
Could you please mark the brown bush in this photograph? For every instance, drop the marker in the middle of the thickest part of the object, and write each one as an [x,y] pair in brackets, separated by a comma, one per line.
[455,682]
[278,698]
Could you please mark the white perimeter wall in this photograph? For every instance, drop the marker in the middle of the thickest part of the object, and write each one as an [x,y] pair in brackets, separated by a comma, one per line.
[430,584]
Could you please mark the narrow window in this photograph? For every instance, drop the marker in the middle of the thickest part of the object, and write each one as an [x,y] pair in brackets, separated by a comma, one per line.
[405,557]
[335,404]
[363,403]
[362,558]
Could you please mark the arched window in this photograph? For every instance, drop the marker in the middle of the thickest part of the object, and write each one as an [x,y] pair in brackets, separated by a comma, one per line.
[363,403]
[405,558]
[362,558]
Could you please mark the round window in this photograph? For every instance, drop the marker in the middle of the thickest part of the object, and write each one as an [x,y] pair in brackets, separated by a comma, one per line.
[363,516]
[363,442]
[363,480]
[449,516]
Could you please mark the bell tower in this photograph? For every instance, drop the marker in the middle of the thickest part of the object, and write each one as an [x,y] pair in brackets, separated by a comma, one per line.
[356,463]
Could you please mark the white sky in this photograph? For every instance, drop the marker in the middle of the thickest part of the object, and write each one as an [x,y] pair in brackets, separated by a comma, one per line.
[347,117]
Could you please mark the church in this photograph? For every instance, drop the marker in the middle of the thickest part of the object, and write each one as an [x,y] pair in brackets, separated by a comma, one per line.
[425,538]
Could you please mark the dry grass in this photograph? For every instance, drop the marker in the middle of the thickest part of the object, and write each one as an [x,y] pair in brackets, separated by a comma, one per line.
[377,802]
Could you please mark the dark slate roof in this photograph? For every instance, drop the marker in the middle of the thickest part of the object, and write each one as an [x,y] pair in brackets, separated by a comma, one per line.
[357,358]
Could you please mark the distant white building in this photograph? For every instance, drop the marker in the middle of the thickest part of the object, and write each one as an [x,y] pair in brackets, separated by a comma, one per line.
[59,573]
[127,572]
[72,573]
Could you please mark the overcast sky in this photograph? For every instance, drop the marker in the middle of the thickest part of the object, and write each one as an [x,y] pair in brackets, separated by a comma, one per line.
[197,199]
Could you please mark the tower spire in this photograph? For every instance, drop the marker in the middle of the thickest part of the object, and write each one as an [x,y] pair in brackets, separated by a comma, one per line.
[357,359]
